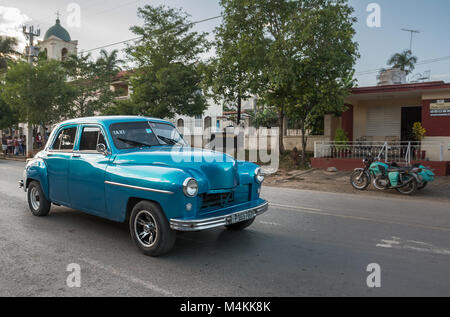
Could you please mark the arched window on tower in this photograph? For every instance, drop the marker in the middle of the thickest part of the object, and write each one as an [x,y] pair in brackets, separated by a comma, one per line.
[64,54]
[46,53]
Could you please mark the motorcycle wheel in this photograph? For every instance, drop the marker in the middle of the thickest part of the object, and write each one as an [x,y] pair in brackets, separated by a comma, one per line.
[409,189]
[360,180]
[422,186]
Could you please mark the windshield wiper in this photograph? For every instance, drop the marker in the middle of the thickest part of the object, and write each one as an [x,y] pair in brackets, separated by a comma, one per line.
[168,140]
[133,142]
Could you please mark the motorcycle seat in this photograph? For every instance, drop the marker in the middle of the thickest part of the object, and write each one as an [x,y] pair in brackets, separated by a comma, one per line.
[397,169]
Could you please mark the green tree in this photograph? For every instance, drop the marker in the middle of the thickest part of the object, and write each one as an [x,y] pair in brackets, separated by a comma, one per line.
[7,49]
[229,74]
[39,94]
[8,117]
[90,82]
[121,107]
[405,61]
[305,54]
[109,64]
[168,76]
[267,118]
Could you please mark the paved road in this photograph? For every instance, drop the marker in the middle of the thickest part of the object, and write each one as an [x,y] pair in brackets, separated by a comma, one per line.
[308,244]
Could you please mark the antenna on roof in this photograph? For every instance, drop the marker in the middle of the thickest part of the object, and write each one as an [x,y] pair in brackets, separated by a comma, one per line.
[412,33]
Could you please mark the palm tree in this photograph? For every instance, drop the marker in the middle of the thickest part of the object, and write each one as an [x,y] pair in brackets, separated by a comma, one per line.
[109,63]
[405,61]
[7,49]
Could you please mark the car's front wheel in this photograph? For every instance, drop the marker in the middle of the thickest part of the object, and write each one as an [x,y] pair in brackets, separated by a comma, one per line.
[150,229]
[39,205]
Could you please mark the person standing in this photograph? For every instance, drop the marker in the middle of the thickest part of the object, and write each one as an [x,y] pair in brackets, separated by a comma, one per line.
[39,140]
[16,146]
[24,145]
[10,146]
[4,145]
[21,145]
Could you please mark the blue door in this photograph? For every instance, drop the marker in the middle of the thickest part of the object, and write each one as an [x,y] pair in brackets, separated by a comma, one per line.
[57,161]
[87,172]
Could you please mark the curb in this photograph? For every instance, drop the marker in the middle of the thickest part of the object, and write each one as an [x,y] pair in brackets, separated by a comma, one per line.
[13,159]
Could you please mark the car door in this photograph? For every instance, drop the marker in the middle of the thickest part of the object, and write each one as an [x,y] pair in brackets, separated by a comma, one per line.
[87,171]
[57,161]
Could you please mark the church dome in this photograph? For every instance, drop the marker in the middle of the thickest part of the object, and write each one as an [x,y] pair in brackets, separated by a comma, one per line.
[58,31]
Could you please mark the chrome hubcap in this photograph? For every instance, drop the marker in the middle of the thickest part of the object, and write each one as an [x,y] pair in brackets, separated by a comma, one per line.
[34,198]
[145,228]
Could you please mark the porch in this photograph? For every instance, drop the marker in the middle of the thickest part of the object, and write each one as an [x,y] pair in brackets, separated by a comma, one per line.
[347,156]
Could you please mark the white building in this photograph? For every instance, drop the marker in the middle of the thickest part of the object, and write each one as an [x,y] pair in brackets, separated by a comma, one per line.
[57,43]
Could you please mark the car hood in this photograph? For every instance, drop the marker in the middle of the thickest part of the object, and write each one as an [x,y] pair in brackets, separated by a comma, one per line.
[219,170]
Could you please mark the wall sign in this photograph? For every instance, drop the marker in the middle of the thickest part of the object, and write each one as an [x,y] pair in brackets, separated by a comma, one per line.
[440,108]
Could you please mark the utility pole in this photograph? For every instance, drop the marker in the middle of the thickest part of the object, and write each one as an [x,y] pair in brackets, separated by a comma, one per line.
[30,34]
[412,33]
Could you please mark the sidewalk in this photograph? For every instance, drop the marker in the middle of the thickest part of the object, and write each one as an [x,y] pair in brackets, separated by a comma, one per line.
[19,158]
[339,182]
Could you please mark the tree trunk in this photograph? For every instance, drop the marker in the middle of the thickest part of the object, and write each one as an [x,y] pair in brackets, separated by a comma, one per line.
[281,115]
[239,109]
[304,144]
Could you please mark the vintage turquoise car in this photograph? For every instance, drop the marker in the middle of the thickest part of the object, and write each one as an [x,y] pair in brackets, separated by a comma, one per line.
[141,171]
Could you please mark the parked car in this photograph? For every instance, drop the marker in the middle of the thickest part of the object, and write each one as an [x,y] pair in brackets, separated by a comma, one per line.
[141,171]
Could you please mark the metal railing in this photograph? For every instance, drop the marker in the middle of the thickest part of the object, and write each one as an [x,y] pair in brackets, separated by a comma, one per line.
[394,151]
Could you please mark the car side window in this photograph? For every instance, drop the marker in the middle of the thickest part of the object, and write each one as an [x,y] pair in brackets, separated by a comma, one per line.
[90,138]
[65,140]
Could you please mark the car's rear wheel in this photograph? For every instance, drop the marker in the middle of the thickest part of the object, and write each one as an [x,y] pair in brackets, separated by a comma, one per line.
[150,229]
[241,225]
[39,205]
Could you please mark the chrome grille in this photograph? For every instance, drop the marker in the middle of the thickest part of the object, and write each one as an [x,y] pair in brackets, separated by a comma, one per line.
[217,200]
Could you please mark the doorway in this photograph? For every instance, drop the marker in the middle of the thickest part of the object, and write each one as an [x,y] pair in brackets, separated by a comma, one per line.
[410,115]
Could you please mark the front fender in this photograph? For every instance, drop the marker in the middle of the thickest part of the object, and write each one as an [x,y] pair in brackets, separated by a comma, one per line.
[163,185]
[246,172]
[36,169]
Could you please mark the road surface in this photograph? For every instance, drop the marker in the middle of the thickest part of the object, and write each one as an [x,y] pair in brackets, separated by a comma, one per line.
[308,244]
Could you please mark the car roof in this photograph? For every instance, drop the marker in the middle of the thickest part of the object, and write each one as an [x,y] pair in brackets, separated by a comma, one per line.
[108,120]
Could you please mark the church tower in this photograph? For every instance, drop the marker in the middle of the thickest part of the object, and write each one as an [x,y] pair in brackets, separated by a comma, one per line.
[57,43]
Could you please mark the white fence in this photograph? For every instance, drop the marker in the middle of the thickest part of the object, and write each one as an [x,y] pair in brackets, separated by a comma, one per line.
[387,151]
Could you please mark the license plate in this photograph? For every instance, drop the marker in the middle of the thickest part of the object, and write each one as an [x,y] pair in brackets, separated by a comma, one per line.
[242,216]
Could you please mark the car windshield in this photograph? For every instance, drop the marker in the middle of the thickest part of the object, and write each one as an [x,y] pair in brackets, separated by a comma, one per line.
[129,135]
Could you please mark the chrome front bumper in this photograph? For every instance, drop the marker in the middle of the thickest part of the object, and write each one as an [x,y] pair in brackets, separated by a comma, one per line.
[213,222]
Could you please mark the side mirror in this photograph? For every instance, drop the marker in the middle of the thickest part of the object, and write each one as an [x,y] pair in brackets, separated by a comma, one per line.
[101,148]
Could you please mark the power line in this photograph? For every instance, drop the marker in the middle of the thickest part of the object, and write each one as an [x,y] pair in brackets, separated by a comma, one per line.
[424,62]
[140,37]
[84,8]
[114,8]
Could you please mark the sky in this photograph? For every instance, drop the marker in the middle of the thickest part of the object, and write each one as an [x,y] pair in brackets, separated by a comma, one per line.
[103,22]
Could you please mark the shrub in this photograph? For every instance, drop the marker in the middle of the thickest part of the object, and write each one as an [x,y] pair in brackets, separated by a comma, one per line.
[418,131]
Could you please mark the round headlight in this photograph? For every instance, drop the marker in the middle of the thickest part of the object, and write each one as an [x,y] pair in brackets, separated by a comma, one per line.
[190,187]
[259,176]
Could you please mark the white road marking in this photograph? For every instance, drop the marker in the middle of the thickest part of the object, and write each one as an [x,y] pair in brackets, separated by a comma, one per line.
[133,279]
[270,223]
[412,245]
[389,243]
[322,212]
